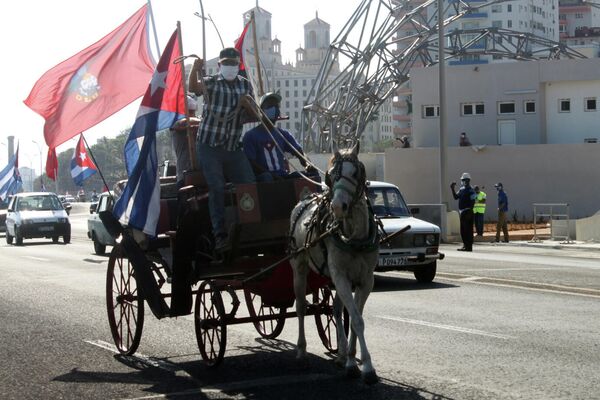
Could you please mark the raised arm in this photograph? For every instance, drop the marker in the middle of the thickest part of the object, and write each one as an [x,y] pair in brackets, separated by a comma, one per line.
[196,85]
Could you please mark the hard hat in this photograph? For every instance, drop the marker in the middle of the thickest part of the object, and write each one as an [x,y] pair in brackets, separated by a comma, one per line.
[270,99]
[465,175]
[498,185]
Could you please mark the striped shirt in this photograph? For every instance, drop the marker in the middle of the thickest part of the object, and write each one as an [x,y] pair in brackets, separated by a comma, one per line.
[221,123]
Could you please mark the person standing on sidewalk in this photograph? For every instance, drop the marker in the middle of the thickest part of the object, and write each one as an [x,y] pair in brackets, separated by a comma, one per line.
[479,210]
[502,210]
[466,201]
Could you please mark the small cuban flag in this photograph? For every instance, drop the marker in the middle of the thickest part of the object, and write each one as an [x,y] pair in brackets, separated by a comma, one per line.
[82,167]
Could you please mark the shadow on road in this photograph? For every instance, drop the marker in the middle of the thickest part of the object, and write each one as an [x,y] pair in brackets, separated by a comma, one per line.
[389,283]
[268,370]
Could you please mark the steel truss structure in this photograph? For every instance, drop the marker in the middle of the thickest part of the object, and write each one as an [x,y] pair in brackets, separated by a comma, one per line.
[342,103]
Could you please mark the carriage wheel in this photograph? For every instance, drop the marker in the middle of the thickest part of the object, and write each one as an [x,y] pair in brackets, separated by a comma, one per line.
[326,326]
[124,303]
[271,328]
[209,321]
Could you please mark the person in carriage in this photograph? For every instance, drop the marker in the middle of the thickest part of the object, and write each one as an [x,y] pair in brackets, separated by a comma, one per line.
[265,148]
[218,145]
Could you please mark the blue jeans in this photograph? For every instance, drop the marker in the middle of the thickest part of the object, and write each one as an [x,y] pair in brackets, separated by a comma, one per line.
[220,166]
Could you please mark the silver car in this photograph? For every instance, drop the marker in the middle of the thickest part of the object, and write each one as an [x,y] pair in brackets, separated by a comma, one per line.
[36,215]
[414,250]
[96,230]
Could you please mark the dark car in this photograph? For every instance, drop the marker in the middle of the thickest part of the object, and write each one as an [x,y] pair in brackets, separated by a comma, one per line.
[3,207]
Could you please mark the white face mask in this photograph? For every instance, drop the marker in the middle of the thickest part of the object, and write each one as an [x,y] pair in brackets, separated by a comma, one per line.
[229,72]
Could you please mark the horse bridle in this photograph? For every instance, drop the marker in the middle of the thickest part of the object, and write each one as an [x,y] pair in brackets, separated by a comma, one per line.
[334,177]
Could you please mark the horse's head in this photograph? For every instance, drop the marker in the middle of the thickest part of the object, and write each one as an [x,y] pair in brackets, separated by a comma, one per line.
[346,179]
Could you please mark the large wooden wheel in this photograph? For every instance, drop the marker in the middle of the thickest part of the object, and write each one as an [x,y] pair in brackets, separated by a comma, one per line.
[325,321]
[209,321]
[124,304]
[271,328]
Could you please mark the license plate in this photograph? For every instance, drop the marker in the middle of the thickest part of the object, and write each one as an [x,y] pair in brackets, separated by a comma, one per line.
[392,261]
[46,228]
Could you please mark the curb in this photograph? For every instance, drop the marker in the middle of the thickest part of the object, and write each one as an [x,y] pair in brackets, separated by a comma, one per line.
[548,246]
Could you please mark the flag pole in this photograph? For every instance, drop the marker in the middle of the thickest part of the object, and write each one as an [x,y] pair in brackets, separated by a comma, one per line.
[203,38]
[153,27]
[190,134]
[256,57]
[97,166]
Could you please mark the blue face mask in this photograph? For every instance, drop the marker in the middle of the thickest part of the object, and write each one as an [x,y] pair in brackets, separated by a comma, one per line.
[271,113]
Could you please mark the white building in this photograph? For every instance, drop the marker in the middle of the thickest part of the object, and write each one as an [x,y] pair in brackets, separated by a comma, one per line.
[295,80]
[530,102]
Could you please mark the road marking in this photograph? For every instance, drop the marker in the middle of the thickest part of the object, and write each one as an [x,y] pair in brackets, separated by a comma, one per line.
[447,327]
[152,362]
[37,258]
[218,388]
[242,385]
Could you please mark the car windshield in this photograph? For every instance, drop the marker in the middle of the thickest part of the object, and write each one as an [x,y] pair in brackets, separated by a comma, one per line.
[388,202]
[38,203]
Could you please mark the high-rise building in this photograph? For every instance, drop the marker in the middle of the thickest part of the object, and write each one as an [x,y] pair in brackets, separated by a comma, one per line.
[579,26]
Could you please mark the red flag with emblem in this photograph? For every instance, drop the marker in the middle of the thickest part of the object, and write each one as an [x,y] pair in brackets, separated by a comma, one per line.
[95,83]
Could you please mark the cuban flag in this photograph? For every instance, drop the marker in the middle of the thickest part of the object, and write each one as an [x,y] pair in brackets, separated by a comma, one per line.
[10,179]
[82,167]
[162,106]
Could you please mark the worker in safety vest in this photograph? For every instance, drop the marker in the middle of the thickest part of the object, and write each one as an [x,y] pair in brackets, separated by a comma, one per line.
[479,210]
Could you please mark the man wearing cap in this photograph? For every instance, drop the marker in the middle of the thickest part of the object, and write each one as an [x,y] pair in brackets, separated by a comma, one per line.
[466,201]
[265,148]
[179,139]
[218,146]
[502,210]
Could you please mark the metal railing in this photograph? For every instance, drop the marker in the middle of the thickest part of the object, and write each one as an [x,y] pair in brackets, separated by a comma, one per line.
[556,219]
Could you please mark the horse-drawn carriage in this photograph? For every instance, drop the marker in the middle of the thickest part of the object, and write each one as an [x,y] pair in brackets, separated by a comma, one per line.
[180,264]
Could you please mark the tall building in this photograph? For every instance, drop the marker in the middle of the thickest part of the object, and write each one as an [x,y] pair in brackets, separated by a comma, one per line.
[294,80]
[579,25]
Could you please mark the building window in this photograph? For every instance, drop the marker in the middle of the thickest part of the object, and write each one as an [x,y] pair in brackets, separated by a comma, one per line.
[287,83]
[295,83]
[578,15]
[278,84]
[509,8]
[295,93]
[509,23]
[590,104]
[431,111]
[529,106]
[303,82]
[496,8]
[304,93]
[564,105]
[469,109]
[506,107]
[287,93]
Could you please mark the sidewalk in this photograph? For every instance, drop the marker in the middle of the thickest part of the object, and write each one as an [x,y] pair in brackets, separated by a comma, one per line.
[525,238]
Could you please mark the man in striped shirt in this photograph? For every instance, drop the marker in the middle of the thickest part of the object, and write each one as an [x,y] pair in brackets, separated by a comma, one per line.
[218,147]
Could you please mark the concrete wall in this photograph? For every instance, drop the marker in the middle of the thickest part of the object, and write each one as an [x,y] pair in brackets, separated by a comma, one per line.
[588,229]
[567,173]
[538,81]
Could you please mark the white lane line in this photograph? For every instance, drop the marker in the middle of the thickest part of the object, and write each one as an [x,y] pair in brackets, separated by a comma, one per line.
[165,365]
[508,269]
[447,327]
[37,258]
[242,385]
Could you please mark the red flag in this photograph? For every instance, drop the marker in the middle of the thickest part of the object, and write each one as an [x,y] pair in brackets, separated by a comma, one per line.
[51,164]
[239,45]
[95,83]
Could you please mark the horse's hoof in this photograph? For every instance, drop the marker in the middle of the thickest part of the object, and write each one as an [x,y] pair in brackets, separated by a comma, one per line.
[353,372]
[370,377]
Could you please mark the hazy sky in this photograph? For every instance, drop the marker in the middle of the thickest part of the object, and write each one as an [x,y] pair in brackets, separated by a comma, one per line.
[38,34]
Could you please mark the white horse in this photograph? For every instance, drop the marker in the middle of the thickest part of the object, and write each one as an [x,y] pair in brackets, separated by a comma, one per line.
[350,250]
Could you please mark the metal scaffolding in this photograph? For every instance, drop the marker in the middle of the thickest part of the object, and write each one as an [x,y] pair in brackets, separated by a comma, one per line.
[342,103]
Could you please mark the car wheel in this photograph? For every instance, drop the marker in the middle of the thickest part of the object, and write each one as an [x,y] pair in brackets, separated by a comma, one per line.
[426,273]
[9,239]
[99,248]
[67,238]
[18,237]
[54,239]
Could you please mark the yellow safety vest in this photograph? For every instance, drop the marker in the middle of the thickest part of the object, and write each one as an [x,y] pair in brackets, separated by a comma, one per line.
[479,207]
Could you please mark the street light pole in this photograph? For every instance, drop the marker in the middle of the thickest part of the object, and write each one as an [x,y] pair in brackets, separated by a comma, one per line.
[443,114]
[41,170]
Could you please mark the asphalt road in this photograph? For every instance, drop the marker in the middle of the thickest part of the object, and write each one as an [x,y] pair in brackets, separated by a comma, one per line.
[499,323]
